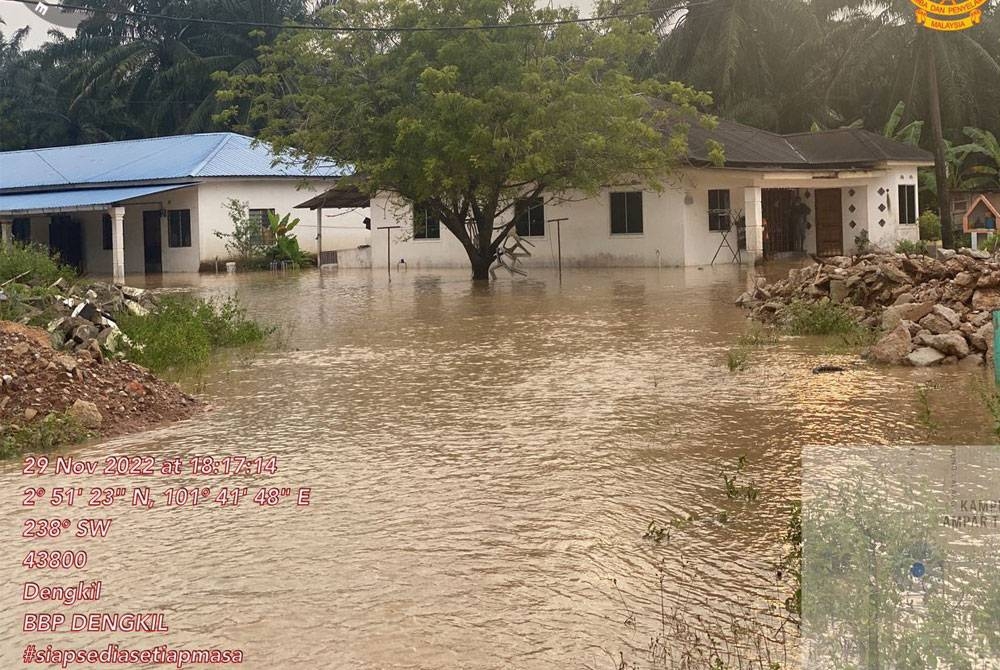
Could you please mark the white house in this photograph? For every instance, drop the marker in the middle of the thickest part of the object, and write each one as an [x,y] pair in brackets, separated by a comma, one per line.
[154,205]
[819,193]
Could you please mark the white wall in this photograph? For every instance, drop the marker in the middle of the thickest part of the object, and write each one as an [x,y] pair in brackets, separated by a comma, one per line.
[97,260]
[355,258]
[675,230]
[701,244]
[675,222]
[342,229]
[586,237]
[886,236]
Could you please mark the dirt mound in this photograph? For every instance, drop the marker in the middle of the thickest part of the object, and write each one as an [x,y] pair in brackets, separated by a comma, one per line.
[38,380]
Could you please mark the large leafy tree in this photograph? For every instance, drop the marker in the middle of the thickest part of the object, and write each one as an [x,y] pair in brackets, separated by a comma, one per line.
[467,122]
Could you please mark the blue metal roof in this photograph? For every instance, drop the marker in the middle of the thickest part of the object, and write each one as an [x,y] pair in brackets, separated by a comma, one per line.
[89,199]
[154,159]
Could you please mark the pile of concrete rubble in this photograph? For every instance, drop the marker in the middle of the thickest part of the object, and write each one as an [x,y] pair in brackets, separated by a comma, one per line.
[929,311]
[86,320]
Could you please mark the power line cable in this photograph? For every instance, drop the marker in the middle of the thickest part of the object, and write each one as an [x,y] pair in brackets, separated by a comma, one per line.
[346,29]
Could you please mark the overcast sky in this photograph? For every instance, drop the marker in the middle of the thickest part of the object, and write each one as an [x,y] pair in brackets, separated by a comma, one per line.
[17,15]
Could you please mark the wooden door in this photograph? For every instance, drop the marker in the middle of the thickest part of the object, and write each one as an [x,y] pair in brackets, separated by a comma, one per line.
[829,223]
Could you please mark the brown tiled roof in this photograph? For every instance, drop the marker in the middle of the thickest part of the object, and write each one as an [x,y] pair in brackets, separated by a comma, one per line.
[845,148]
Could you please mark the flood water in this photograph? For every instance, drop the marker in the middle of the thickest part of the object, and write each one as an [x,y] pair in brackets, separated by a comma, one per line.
[484,464]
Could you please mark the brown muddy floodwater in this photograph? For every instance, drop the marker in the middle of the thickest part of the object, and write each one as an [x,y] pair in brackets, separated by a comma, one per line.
[484,463]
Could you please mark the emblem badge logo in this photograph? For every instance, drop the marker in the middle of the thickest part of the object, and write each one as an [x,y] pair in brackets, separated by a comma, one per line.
[949,16]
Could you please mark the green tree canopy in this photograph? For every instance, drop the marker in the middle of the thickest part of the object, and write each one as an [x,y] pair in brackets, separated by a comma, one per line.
[467,122]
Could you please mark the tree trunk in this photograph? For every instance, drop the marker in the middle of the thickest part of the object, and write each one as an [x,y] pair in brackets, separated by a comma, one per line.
[480,266]
[940,152]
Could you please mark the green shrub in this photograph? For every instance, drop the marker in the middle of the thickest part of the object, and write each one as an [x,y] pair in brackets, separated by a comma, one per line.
[757,336]
[991,243]
[227,323]
[245,241]
[31,304]
[183,331]
[818,318]
[930,226]
[32,264]
[862,243]
[910,247]
[738,359]
[53,431]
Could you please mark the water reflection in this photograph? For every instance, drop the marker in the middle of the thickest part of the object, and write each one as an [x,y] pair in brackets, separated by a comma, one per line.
[486,459]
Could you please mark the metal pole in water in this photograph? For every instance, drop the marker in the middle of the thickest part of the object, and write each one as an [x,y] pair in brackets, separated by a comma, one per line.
[319,239]
[388,248]
[558,223]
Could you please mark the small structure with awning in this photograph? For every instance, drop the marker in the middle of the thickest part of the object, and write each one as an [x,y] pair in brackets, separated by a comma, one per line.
[343,196]
[153,205]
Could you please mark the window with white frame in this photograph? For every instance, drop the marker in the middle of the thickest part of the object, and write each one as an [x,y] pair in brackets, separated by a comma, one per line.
[908,204]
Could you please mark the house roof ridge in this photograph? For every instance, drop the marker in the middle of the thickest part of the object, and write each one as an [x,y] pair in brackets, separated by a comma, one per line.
[137,159]
[211,154]
[105,143]
[827,131]
[54,169]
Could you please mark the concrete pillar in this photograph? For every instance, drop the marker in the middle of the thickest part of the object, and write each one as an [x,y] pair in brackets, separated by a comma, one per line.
[753,210]
[319,238]
[7,234]
[117,244]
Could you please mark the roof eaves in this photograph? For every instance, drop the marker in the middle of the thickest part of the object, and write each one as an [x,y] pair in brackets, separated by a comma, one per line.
[86,186]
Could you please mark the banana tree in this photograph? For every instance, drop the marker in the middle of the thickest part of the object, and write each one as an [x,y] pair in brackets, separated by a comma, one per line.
[286,245]
[959,176]
[908,134]
[984,175]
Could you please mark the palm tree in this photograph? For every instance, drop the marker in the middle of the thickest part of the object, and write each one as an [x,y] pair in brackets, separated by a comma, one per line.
[756,57]
[877,50]
[160,73]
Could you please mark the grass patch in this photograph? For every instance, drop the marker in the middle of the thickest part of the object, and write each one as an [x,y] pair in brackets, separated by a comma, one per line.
[757,336]
[26,273]
[184,331]
[738,359]
[853,342]
[53,431]
[911,248]
[32,264]
[819,318]
[992,401]
[29,303]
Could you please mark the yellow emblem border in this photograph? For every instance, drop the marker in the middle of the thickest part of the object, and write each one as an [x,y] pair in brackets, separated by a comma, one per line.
[958,16]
